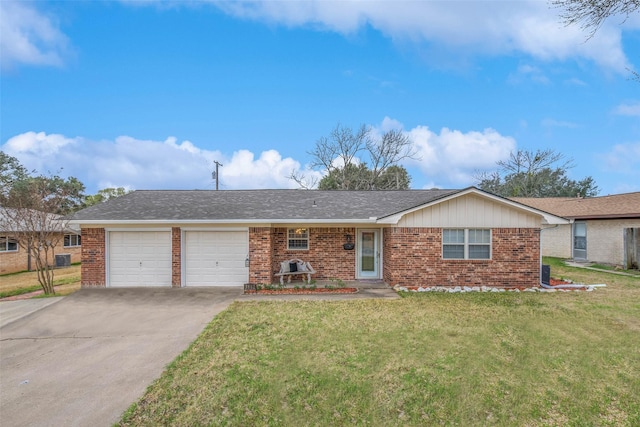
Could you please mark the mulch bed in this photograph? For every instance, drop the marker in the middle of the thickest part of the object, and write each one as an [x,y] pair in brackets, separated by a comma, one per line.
[554,282]
[301,291]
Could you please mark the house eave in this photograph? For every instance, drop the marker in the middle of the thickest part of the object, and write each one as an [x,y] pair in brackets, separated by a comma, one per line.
[223,221]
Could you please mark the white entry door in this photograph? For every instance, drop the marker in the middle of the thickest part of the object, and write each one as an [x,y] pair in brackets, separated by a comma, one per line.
[368,253]
[139,258]
[216,258]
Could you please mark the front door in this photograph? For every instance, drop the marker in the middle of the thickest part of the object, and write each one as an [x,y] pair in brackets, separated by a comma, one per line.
[579,240]
[368,254]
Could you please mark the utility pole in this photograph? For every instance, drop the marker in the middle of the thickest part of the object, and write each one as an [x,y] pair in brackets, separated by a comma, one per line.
[215,174]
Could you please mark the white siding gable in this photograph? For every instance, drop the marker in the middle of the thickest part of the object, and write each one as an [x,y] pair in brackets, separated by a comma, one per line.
[470,210]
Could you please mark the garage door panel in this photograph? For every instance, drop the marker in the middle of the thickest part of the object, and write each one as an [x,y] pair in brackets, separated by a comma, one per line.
[139,258]
[216,258]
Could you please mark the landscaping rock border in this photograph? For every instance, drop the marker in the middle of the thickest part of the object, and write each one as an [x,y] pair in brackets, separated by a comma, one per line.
[466,289]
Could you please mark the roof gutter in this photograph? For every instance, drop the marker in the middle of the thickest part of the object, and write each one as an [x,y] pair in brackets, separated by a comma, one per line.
[222,221]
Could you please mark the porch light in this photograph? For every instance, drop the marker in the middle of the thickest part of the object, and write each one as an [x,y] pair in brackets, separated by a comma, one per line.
[246,261]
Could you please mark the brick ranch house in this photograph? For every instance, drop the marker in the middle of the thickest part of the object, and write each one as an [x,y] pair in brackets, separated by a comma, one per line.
[214,238]
[603,229]
[13,258]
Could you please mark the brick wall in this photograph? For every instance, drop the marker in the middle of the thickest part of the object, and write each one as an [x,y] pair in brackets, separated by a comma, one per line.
[260,254]
[325,253]
[93,257]
[413,257]
[12,262]
[176,263]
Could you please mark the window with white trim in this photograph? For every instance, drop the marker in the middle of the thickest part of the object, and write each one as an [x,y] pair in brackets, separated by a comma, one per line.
[8,245]
[71,240]
[467,243]
[298,239]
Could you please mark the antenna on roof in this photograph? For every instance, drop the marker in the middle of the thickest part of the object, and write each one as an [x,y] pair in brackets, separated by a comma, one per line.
[215,175]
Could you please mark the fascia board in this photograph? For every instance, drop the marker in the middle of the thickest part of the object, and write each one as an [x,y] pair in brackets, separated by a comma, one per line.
[225,221]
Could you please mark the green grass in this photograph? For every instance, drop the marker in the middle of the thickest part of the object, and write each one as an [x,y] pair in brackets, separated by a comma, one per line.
[66,280]
[427,359]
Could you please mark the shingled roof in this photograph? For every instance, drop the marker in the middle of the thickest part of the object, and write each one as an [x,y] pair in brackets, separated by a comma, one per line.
[614,206]
[246,205]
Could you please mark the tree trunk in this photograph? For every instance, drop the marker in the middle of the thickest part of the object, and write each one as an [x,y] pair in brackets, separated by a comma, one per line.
[45,271]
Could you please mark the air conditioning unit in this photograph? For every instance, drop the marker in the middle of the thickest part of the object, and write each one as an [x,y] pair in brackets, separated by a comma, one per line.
[63,260]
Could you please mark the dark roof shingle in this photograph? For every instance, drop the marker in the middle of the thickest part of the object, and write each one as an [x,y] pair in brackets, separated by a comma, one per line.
[193,205]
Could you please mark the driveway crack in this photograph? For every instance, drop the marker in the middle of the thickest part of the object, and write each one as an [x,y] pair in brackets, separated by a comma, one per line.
[44,338]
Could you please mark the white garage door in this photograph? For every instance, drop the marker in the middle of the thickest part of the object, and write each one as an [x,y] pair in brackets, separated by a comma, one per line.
[216,258]
[139,258]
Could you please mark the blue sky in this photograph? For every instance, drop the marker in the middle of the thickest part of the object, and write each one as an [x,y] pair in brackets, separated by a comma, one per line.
[147,94]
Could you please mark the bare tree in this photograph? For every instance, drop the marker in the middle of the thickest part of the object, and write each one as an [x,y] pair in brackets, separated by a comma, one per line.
[590,14]
[38,233]
[339,150]
[358,160]
[305,182]
[31,214]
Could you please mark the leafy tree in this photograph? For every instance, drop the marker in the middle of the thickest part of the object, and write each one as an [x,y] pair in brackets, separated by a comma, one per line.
[11,171]
[31,213]
[535,174]
[358,160]
[104,195]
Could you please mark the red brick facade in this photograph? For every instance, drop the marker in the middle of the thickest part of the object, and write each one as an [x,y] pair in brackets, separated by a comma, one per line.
[176,257]
[260,255]
[93,257]
[325,253]
[413,257]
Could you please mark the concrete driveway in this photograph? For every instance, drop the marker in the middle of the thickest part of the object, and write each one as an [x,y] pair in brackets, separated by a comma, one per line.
[83,360]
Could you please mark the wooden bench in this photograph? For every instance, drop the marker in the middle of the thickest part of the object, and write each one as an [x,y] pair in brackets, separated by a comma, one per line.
[301,267]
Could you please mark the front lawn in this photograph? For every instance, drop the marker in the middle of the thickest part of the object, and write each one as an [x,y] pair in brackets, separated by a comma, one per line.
[66,280]
[427,359]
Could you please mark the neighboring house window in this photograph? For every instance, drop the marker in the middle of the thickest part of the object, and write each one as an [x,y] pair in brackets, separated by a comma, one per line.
[8,245]
[298,238]
[71,240]
[466,243]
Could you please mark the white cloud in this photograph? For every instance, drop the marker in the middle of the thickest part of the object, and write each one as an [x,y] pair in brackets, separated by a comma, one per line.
[29,37]
[624,159]
[448,159]
[528,72]
[451,158]
[553,123]
[483,27]
[632,109]
[147,164]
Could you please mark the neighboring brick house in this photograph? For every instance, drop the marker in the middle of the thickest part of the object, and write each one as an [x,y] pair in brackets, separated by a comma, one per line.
[13,258]
[412,237]
[597,229]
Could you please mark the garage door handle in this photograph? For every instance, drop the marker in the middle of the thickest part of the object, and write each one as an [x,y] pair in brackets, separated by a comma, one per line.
[140,263]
